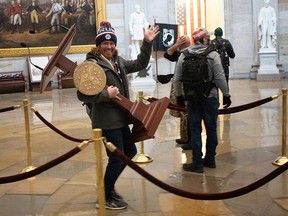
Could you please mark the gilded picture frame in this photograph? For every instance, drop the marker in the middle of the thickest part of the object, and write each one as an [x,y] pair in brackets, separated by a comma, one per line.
[40,36]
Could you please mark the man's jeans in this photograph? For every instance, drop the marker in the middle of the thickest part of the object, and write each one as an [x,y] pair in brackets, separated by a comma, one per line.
[209,114]
[119,138]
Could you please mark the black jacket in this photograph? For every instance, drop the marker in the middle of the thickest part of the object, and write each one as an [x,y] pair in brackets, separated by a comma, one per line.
[225,45]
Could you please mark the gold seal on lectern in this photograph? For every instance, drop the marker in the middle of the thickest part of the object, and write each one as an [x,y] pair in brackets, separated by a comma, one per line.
[89,78]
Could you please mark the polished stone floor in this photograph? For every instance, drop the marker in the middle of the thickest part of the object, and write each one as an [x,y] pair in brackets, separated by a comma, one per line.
[249,141]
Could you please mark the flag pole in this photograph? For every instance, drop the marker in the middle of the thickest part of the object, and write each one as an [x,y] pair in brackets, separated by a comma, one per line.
[156,57]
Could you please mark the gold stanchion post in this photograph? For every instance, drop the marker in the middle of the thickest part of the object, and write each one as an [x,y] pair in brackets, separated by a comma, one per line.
[283,159]
[97,138]
[142,157]
[27,132]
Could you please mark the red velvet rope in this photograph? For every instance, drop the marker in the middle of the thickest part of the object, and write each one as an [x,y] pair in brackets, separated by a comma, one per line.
[56,129]
[202,196]
[221,111]
[40,169]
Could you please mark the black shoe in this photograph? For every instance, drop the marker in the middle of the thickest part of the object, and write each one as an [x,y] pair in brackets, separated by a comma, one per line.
[187,147]
[116,196]
[209,164]
[193,168]
[179,141]
[113,204]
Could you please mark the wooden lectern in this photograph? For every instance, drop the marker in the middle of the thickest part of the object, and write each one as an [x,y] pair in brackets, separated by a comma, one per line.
[145,118]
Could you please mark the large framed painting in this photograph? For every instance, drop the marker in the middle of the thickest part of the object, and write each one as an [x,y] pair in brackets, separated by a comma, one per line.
[42,24]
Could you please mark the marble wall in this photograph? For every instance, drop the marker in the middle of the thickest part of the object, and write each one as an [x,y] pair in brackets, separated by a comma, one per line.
[283,33]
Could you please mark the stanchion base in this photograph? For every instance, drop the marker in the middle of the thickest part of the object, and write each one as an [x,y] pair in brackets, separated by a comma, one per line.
[27,169]
[280,161]
[142,158]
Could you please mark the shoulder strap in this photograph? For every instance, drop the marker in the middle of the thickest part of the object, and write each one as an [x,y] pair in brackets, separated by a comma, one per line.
[209,49]
[185,52]
[219,42]
[216,42]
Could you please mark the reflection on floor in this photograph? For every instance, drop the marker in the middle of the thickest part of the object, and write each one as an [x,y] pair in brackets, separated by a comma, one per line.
[248,142]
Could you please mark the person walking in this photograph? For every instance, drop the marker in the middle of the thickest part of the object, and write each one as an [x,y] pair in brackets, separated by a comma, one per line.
[107,115]
[225,50]
[206,111]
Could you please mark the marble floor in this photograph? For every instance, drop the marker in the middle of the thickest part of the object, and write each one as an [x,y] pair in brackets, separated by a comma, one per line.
[249,141]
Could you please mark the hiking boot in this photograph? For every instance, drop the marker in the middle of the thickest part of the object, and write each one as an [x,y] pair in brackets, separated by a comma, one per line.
[116,196]
[114,204]
[193,168]
[179,141]
[209,164]
[187,146]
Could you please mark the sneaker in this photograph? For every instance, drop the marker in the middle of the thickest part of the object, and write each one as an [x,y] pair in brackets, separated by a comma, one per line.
[114,204]
[209,164]
[193,168]
[116,196]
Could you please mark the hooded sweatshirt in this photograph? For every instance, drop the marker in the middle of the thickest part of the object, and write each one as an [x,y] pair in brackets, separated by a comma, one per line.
[215,71]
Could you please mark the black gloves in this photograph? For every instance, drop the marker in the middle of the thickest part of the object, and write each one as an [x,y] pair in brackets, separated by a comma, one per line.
[180,101]
[226,101]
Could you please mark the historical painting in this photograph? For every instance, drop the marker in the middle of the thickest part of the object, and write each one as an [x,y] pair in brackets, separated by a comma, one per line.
[42,24]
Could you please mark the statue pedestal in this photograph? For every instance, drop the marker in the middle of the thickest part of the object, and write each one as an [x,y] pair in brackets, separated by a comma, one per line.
[268,70]
[144,77]
[143,81]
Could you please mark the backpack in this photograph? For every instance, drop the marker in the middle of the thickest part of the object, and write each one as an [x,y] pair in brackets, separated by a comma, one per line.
[221,49]
[195,77]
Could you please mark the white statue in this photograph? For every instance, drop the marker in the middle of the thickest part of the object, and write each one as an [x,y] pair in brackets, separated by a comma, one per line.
[137,23]
[267,26]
